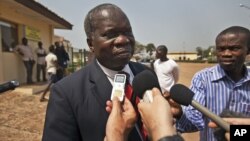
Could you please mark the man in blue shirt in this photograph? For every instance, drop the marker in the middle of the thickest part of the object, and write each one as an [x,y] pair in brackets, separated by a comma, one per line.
[225,86]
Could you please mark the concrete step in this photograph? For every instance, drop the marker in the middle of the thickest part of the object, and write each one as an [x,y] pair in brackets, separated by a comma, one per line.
[31,89]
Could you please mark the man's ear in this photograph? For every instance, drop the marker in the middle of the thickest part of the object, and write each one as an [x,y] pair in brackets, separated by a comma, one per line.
[89,41]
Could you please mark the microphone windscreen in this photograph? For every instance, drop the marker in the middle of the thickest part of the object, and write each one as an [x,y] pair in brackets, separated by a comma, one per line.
[145,80]
[181,94]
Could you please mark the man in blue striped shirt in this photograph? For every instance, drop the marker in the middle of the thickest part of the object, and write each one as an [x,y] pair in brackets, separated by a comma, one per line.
[223,86]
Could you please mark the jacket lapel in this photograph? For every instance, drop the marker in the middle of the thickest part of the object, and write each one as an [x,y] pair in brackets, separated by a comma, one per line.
[136,68]
[101,87]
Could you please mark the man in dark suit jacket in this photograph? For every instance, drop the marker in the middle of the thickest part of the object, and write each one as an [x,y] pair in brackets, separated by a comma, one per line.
[76,108]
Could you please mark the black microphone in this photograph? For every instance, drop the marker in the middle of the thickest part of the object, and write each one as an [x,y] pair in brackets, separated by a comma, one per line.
[11,85]
[143,83]
[184,96]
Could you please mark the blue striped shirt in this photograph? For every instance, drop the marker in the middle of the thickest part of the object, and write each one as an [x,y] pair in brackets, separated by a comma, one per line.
[216,91]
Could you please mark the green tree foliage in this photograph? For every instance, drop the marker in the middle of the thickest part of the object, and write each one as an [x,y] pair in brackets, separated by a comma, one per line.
[150,48]
[138,47]
[212,50]
[206,53]
[199,51]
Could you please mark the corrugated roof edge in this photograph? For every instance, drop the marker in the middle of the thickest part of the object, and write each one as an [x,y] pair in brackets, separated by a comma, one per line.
[41,9]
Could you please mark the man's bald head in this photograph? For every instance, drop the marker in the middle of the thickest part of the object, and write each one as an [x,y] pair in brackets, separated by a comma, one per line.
[98,13]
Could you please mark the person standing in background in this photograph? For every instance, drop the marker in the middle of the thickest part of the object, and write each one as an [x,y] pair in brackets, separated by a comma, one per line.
[62,57]
[51,64]
[166,69]
[28,58]
[65,61]
[41,66]
[225,86]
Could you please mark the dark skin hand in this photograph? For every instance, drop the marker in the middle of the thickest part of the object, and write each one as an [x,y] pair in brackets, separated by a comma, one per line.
[121,120]
[176,109]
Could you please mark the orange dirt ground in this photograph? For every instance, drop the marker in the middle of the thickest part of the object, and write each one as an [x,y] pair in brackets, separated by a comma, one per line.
[22,115]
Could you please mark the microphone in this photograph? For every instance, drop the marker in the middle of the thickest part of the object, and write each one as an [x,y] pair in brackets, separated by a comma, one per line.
[142,84]
[11,85]
[184,96]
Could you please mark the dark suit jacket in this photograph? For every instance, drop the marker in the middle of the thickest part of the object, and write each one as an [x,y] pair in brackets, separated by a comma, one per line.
[76,107]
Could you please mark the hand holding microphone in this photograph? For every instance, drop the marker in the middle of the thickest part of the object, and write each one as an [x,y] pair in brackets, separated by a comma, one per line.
[176,109]
[157,116]
[184,96]
[154,110]
[143,84]
[121,120]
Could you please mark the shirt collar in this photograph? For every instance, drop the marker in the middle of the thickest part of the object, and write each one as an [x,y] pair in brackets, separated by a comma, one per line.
[219,73]
[247,74]
[111,73]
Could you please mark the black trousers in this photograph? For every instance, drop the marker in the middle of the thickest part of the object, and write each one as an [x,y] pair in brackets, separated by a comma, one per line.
[40,68]
[29,66]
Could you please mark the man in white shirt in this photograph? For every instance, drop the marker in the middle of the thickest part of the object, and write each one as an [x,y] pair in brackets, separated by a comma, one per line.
[28,58]
[41,53]
[166,69]
[51,63]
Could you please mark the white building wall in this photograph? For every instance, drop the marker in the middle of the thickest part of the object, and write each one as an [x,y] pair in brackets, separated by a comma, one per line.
[181,56]
[11,65]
